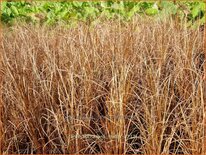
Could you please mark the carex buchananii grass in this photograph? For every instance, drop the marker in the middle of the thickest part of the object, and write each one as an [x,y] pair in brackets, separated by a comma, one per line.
[114,87]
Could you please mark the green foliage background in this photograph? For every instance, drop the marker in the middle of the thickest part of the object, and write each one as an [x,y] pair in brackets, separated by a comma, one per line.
[51,13]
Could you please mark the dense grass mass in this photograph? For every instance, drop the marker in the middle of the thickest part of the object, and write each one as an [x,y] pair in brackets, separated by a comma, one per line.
[133,87]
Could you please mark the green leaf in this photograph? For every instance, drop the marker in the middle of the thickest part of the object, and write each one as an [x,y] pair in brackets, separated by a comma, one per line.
[77,4]
[103,4]
[151,11]
[195,11]
[202,6]
[14,10]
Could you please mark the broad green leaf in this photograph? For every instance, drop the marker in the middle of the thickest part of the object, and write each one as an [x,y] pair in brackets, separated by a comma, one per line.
[195,11]
[14,10]
[151,11]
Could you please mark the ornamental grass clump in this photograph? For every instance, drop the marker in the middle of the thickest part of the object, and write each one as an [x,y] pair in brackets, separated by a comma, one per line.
[134,87]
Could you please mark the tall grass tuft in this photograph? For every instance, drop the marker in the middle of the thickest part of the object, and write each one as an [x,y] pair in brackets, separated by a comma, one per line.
[134,87]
